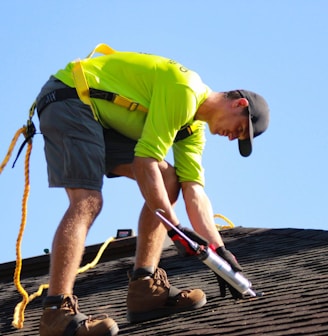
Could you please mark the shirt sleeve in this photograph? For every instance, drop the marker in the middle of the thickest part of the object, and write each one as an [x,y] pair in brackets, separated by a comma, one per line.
[171,107]
[188,156]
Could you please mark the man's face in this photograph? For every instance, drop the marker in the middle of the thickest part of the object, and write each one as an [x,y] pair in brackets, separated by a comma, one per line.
[233,125]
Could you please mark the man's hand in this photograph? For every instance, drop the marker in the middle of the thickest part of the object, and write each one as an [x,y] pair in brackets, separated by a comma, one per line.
[232,261]
[182,245]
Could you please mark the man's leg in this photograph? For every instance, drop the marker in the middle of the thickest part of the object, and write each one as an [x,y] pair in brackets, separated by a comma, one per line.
[69,240]
[60,307]
[149,294]
[74,150]
[151,232]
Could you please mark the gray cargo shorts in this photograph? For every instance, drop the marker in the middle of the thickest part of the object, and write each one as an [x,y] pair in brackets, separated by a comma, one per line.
[74,144]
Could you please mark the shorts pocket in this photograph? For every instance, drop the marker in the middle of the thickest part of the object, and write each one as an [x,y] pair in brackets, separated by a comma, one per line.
[84,160]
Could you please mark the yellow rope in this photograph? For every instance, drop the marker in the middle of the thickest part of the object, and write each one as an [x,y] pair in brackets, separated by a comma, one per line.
[98,256]
[22,291]
[224,227]
[18,268]
[11,147]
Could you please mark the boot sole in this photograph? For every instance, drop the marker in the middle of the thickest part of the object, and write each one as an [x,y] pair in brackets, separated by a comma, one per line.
[113,330]
[162,312]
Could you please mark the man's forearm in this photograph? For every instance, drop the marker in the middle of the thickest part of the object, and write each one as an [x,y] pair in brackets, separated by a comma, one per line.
[200,212]
[152,186]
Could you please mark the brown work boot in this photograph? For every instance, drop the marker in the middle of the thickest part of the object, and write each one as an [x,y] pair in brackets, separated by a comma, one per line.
[61,317]
[151,297]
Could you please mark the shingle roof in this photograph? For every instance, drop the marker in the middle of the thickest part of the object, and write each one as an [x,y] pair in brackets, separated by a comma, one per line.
[289,265]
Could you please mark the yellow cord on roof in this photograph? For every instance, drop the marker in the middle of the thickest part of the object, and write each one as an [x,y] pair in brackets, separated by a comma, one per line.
[98,256]
[224,227]
[18,318]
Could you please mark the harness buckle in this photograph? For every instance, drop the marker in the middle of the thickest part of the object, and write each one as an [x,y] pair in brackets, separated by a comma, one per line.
[29,132]
[133,106]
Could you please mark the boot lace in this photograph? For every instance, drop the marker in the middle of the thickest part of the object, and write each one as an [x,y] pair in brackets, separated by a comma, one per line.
[160,275]
[71,303]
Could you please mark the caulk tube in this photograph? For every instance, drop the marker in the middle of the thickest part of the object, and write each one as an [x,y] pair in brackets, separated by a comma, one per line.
[224,270]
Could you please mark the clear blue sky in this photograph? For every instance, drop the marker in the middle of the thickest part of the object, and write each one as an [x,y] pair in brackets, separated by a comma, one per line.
[275,47]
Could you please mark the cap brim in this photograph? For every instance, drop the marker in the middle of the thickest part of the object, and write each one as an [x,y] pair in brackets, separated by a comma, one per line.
[246,146]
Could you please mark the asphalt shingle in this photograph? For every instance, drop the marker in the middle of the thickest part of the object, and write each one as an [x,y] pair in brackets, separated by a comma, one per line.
[288,265]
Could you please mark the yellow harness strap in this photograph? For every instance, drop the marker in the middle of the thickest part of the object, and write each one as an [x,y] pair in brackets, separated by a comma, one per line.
[82,86]
[102,48]
[129,104]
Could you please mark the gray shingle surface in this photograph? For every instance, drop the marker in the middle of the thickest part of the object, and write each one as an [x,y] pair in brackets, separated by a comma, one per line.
[289,265]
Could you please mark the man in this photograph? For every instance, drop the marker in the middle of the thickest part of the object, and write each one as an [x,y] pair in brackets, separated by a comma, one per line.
[148,104]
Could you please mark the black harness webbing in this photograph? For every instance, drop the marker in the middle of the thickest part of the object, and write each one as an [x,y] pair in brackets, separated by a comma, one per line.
[70,93]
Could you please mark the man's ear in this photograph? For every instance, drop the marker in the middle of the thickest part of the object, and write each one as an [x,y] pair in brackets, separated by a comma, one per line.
[239,102]
[242,102]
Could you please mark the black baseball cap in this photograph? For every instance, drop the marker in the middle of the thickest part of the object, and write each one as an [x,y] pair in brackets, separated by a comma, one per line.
[258,110]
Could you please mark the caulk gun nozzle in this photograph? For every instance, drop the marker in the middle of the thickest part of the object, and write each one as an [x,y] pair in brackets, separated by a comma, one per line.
[251,292]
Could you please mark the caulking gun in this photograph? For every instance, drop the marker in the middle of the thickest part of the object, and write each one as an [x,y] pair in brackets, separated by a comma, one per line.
[214,262]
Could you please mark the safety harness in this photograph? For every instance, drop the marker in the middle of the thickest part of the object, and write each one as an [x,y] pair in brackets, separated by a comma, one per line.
[83,92]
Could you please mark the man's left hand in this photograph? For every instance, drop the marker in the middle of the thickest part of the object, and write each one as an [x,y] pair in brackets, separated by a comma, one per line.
[232,261]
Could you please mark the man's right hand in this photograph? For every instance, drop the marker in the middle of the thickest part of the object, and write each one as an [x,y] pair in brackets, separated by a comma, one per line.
[182,245]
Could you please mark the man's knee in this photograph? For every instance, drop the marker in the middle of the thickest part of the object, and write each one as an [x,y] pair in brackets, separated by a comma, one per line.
[168,172]
[85,201]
